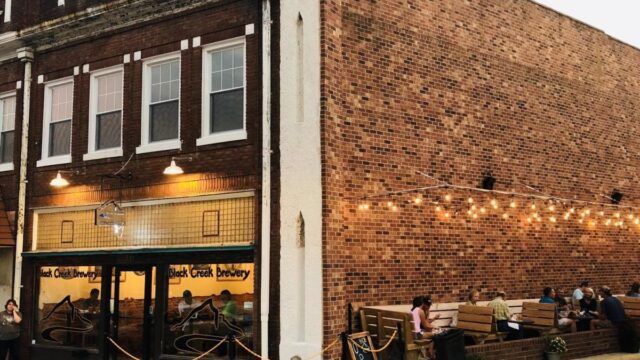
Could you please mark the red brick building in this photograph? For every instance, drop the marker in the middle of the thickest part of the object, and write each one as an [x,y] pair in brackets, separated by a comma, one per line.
[334,107]
[143,164]
[459,90]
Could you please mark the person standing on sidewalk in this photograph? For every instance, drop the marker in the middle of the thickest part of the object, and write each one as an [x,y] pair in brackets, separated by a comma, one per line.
[10,320]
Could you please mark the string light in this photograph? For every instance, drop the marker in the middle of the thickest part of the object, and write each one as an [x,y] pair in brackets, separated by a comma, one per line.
[447,197]
[533,206]
[483,210]
[566,216]
[617,215]
[494,203]
[552,208]
[446,215]
[505,216]
[572,210]
[438,208]
[513,204]
[389,203]
[608,222]
[601,213]
[394,208]
[418,200]
[475,216]
[529,219]
[552,219]
[470,200]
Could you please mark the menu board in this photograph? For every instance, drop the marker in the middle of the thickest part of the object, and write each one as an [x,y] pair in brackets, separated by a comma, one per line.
[364,341]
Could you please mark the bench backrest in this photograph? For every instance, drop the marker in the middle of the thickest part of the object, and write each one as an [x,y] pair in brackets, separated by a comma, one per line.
[476,318]
[541,314]
[631,305]
[382,323]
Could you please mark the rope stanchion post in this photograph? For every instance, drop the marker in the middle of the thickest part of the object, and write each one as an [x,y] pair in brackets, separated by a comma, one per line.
[231,349]
[345,346]
[350,318]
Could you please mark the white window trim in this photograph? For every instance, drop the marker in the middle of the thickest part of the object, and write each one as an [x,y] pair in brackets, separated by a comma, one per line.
[45,159]
[7,166]
[92,153]
[240,134]
[145,145]
[7,10]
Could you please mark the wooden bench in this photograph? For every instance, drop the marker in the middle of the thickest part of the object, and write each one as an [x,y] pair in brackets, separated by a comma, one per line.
[543,317]
[631,306]
[479,323]
[382,323]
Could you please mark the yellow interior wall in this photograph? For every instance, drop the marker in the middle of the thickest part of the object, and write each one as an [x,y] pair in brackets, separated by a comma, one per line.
[53,290]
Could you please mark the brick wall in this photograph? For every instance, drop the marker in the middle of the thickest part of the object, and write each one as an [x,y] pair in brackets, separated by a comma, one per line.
[10,73]
[579,345]
[458,89]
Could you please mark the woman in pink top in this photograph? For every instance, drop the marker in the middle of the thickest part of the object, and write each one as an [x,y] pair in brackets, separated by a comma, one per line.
[422,326]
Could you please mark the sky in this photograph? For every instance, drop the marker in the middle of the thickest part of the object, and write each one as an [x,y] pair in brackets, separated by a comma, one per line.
[618,18]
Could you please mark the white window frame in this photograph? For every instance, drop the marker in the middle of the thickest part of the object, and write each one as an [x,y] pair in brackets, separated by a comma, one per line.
[7,166]
[145,145]
[92,152]
[45,159]
[206,137]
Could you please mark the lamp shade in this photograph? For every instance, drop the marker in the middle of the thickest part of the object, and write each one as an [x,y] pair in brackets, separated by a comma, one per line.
[59,181]
[173,169]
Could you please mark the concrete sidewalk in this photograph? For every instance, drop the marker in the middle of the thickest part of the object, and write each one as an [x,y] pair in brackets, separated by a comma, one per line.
[616,356]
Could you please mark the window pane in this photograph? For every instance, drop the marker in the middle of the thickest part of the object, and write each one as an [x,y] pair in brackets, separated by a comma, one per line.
[165,72]
[109,92]
[61,102]
[69,309]
[238,77]
[200,295]
[60,138]
[155,74]
[227,111]
[216,59]
[108,130]
[227,79]
[8,114]
[216,81]
[227,59]
[155,93]
[164,121]
[175,70]
[238,57]
[6,149]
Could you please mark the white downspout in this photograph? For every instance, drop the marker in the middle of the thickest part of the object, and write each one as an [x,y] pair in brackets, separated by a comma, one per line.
[26,56]
[266,178]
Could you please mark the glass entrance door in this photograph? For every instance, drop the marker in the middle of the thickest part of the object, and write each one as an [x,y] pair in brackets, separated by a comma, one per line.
[132,308]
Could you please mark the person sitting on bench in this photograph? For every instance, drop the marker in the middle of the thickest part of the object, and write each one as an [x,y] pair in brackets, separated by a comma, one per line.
[502,315]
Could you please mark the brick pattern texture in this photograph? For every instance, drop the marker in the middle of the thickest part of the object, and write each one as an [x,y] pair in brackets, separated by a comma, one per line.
[459,89]
[579,345]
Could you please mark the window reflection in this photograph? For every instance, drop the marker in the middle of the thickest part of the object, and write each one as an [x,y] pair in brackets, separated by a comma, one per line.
[206,303]
[68,306]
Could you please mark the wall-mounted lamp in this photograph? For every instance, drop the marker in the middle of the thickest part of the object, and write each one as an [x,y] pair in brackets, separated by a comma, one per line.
[488,181]
[59,181]
[174,169]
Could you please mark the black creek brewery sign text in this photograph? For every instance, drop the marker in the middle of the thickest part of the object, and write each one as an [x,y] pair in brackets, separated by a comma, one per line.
[220,273]
[68,273]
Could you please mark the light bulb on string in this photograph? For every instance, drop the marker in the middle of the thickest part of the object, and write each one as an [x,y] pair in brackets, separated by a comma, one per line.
[551,208]
[552,219]
[505,216]
[394,208]
[389,203]
[447,197]
[539,219]
[580,221]
[600,213]
[470,200]
[438,208]
[473,207]
[418,200]
[588,212]
[533,206]
[630,216]
[636,221]
[617,215]
[566,215]
[593,223]
[475,216]
[529,220]
[494,203]
[607,222]
[483,210]
[513,204]
[447,215]
[572,210]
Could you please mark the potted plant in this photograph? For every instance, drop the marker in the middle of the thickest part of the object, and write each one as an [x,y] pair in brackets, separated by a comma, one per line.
[556,346]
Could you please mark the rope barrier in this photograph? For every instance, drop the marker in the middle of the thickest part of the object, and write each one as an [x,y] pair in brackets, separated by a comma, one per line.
[250,351]
[121,349]
[196,358]
[323,350]
[210,350]
[393,336]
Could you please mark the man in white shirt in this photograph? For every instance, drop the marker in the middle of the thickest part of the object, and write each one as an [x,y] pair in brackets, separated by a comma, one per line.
[578,293]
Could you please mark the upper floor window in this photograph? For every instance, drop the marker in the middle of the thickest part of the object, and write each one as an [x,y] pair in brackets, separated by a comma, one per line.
[56,129]
[223,102]
[161,104]
[7,131]
[105,114]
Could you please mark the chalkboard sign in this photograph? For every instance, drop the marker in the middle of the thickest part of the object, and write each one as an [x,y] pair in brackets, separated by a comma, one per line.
[364,340]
